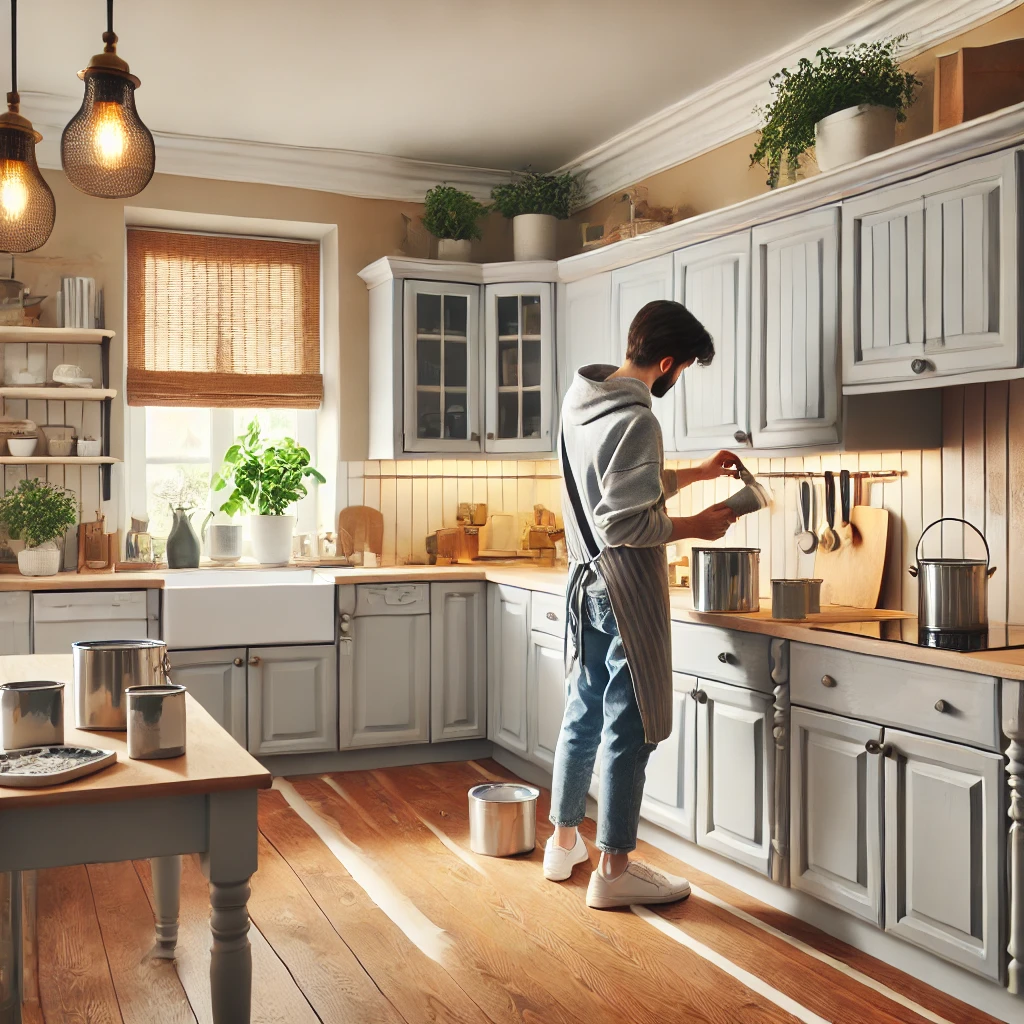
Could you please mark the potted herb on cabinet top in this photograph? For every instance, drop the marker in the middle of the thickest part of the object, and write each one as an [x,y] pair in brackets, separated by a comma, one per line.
[844,103]
[452,217]
[40,515]
[267,478]
[534,202]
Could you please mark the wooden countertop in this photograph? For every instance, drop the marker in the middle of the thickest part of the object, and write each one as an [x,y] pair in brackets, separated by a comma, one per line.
[213,762]
[83,581]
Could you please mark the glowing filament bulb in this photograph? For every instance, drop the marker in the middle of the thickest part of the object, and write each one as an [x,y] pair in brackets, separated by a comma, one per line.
[109,136]
[13,190]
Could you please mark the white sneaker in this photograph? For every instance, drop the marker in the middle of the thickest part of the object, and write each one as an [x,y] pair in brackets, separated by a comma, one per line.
[638,884]
[558,863]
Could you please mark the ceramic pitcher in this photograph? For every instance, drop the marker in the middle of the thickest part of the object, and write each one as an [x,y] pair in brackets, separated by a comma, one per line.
[182,542]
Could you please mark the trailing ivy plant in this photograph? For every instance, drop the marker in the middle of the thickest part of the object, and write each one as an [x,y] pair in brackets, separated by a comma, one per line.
[452,213]
[560,195]
[865,73]
[36,512]
[266,476]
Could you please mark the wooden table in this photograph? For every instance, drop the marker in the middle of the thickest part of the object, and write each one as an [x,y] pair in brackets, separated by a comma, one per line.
[203,802]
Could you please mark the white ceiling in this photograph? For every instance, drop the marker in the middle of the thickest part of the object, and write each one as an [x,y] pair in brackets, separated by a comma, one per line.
[486,83]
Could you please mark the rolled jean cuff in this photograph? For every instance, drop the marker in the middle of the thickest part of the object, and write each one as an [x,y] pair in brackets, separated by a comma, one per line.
[567,824]
[614,850]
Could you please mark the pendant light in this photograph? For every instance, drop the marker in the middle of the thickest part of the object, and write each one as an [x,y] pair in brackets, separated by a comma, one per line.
[106,150]
[27,209]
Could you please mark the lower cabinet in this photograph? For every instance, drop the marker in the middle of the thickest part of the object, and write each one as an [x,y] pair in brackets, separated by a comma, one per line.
[458,661]
[508,658]
[545,697]
[670,790]
[216,680]
[293,699]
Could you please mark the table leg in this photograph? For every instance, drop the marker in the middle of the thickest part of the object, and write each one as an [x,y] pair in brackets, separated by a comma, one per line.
[167,898]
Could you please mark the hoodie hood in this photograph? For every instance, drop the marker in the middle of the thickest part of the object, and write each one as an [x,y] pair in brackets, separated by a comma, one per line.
[592,395]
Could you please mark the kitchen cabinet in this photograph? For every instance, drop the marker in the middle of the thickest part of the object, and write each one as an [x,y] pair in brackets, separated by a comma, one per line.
[14,623]
[632,288]
[836,812]
[458,661]
[585,327]
[519,341]
[945,841]
[712,280]
[545,697]
[293,699]
[508,657]
[795,331]
[670,790]
[735,773]
[930,285]
[216,679]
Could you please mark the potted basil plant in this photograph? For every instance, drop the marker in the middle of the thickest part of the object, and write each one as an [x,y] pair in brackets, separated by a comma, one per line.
[266,478]
[452,217]
[844,103]
[534,202]
[40,514]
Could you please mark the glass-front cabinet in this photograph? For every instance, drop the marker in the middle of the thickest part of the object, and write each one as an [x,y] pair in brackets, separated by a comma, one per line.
[519,367]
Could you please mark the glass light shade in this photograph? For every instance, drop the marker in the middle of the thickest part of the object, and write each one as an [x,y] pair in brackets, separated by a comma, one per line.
[27,208]
[106,150]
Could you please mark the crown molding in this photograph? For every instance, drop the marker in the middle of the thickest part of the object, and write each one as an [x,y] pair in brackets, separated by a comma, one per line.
[392,268]
[366,175]
[723,112]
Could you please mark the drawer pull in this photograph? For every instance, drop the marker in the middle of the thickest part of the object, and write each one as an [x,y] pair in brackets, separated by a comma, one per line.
[921,365]
[238,662]
[726,658]
[873,747]
[699,696]
[828,681]
[552,616]
[254,660]
[941,706]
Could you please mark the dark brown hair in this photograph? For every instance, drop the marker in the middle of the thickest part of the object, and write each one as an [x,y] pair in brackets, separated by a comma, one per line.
[665,328]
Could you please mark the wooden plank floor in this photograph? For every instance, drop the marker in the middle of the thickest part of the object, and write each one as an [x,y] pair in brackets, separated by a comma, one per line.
[369,907]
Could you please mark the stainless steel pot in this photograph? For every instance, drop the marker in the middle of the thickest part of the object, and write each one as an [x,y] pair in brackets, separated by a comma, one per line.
[104,669]
[156,721]
[31,714]
[725,579]
[795,599]
[952,593]
[502,818]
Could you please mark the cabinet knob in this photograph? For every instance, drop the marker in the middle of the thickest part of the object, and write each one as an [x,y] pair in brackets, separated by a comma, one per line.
[699,696]
[888,750]
[726,658]
[552,616]
[238,662]
[254,660]
[921,365]
[490,436]
[873,747]
[941,706]
[741,437]
[827,680]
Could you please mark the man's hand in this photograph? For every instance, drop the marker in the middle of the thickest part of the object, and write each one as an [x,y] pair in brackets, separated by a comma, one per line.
[710,524]
[720,464]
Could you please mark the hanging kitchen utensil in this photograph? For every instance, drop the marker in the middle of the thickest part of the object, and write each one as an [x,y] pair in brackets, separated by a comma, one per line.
[828,533]
[845,531]
[806,540]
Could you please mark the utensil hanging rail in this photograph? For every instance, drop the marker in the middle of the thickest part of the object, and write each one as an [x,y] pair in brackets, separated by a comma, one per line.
[866,474]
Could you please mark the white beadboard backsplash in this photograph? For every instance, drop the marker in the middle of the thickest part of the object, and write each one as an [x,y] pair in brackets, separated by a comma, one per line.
[978,475]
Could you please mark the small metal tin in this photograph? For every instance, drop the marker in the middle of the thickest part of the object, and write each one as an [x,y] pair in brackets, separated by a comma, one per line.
[31,714]
[795,599]
[502,818]
[156,721]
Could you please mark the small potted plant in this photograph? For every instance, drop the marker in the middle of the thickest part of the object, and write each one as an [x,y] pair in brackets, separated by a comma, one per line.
[534,202]
[843,103]
[40,514]
[452,217]
[266,478]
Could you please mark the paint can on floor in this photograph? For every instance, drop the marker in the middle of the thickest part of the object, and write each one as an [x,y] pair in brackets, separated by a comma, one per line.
[502,818]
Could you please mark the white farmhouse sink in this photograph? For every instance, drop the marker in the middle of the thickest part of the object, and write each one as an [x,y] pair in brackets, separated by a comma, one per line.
[247,608]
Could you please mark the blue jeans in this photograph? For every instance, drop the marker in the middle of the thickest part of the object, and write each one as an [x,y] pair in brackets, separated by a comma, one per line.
[601,703]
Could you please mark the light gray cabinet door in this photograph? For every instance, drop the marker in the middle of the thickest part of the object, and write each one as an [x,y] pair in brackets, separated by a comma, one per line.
[508,657]
[216,679]
[584,312]
[458,661]
[735,773]
[836,812]
[632,288]
[14,623]
[945,840]
[930,275]
[795,348]
[293,699]
[389,701]
[713,281]
[546,690]
[670,790]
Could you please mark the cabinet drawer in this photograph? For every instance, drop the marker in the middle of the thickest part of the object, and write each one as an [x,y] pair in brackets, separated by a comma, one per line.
[919,698]
[547,614]
[723,654]
[393,599]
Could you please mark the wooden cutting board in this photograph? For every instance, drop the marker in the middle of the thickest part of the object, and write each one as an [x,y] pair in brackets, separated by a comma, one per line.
[365,526]
[852,575]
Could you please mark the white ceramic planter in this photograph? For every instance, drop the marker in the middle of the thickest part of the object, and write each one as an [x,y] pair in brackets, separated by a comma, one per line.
[455,249]
[852,134]
[533,236]
[43,560]
[272,538]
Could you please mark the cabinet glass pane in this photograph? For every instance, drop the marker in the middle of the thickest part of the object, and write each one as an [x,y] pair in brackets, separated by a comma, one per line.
[508,364]
[531,414]
[428,362]
[531,364]
[456,315]
[455,363]
[456,423]
[531,315]
[508,414]
[428,314]
[508,315]
[428,413]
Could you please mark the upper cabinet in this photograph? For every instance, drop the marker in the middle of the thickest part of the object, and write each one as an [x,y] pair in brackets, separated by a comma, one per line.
[930,275]
[795,311]
[584,326]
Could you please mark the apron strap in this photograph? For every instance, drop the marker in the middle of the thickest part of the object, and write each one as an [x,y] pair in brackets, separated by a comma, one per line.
[586,572]
[582,523]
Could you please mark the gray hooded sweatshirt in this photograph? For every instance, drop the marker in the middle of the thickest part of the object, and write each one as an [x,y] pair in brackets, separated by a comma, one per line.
[613,440]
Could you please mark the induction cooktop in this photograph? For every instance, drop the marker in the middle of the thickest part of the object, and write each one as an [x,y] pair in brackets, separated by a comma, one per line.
[999,636]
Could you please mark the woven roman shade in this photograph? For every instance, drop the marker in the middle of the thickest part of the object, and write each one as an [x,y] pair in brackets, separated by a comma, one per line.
[223,321]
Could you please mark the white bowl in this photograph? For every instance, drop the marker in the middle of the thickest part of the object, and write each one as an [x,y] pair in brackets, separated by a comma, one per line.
[22,447]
